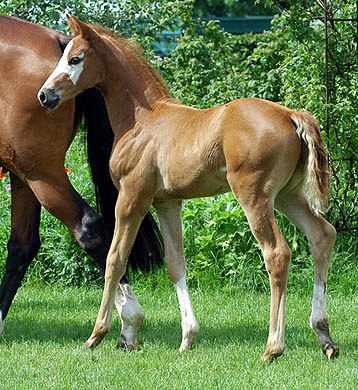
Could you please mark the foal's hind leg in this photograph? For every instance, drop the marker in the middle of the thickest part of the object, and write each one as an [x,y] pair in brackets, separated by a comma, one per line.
[258,208]
[321,235]
[169,214]
[23,244]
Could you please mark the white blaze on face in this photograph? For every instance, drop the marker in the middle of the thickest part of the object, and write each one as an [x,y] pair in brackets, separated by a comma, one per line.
[73,71]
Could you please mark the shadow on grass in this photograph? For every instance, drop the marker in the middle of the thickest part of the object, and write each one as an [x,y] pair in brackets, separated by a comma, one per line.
[243,333]
[67,320]
[160,332]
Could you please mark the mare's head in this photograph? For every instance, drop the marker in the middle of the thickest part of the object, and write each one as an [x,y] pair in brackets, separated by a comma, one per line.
[78,69]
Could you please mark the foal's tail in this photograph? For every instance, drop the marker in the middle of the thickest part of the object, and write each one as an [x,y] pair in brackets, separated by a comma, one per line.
[148,247]
[317,176]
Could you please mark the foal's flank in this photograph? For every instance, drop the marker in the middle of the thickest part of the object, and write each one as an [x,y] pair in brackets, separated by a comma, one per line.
[269,156]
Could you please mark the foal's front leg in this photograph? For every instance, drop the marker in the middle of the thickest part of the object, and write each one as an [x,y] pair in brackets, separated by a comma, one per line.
[169,214]
[131,314]
[128,219]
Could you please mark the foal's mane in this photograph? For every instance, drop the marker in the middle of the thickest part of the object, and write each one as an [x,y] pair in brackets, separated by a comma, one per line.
[135,56]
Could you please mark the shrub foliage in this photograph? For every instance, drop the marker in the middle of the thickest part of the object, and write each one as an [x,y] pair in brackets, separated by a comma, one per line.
[210,67]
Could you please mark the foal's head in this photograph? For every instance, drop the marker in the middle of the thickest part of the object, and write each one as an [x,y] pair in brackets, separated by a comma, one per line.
[78,69]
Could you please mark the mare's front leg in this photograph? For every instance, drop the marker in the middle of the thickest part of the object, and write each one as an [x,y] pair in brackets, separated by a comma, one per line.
[129,214]
[169,214]
[23,244]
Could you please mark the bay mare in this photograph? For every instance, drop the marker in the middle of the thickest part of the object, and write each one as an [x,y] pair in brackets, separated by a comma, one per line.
[33,144]
[269,156]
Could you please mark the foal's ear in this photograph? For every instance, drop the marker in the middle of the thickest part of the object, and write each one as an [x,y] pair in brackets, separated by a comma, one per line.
[72,21]
[78,27]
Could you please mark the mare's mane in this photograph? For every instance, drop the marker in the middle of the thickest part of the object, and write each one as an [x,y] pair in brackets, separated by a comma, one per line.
[134,54]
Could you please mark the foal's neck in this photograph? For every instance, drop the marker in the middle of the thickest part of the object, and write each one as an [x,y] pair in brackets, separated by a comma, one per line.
[130,89]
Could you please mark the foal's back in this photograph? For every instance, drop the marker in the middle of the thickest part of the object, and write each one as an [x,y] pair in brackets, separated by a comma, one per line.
[189,151]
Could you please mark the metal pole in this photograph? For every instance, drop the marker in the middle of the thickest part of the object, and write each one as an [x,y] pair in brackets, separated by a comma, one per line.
[326,69]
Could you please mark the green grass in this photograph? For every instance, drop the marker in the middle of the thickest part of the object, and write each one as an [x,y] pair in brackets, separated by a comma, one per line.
[41,344]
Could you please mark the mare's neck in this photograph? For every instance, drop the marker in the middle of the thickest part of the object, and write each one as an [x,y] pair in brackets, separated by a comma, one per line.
[129,96]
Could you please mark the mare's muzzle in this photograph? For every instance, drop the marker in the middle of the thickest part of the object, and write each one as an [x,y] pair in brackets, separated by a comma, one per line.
[48,98]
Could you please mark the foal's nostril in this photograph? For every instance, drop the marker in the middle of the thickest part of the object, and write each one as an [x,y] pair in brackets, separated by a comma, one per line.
[48,98]
[42,97]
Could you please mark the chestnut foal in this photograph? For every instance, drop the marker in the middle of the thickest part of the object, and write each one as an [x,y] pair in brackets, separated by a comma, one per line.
[269,156]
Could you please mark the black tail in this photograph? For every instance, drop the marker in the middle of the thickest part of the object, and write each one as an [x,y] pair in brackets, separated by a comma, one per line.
[148,246]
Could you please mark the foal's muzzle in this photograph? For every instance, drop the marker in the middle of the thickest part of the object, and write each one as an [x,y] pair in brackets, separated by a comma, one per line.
[48,98]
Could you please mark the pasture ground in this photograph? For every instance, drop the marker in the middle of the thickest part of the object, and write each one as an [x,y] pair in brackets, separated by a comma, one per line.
[46,326]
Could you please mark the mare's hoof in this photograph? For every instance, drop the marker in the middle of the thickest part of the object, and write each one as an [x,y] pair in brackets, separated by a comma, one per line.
[331,351]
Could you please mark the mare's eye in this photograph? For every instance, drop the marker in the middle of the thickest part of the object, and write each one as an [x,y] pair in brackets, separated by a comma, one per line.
[74,61]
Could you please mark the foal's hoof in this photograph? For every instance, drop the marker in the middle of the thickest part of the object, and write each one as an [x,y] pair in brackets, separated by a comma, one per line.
[125,345]
[189,333]
[331,350]
[88,345]
[272,353]
[269,357]
[91,343]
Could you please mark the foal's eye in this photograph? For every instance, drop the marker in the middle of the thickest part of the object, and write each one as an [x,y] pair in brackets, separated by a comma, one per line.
[74,61]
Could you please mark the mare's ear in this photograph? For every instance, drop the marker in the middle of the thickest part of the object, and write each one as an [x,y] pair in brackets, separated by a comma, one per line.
[80,28]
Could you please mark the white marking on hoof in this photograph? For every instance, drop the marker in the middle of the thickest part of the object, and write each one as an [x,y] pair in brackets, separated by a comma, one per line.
[131,314]
[190,332]
[332,351]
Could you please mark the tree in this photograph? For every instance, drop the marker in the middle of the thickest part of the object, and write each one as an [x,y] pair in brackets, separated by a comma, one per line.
[209,67]
[285,65]
[137,18]
[231,8]
[303,81]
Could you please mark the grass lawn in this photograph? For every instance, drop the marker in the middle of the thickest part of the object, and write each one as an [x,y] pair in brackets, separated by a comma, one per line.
[46,326]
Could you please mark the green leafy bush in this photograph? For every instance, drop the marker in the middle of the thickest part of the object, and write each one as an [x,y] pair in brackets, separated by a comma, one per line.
[207,68]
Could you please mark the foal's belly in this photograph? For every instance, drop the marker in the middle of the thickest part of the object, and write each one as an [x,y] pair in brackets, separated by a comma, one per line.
[189,185]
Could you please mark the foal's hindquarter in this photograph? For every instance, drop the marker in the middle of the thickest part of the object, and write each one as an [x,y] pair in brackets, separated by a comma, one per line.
[249,146]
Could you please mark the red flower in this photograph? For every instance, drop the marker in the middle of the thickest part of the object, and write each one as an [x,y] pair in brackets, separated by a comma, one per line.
[2,174]
[68,170]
